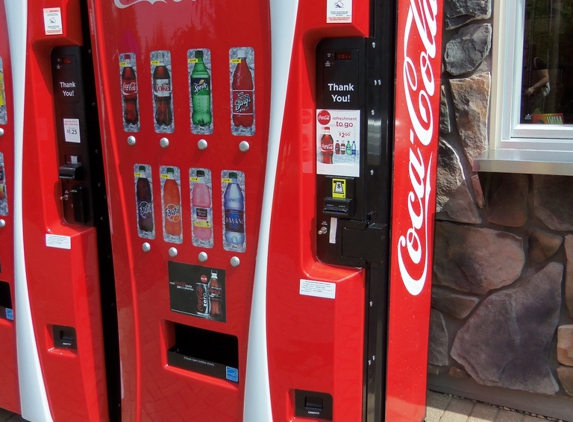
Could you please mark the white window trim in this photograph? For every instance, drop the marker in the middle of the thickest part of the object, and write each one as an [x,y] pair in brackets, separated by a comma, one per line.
[513,147]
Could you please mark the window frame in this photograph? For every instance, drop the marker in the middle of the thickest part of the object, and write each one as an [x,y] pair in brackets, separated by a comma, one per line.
[507,57]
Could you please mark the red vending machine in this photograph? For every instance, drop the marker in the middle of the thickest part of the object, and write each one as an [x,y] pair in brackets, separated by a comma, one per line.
[271,170]
[68,364]
[9,397]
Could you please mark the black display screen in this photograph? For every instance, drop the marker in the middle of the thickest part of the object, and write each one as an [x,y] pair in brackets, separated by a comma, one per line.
[343,55]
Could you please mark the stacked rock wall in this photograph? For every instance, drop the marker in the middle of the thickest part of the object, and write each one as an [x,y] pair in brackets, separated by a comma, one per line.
[502,301]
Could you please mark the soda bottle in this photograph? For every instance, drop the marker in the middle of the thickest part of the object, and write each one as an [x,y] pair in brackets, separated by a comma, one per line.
[201,92]
[337,148]
[201,201]
[172,204]
[326,146]
[342,148]
[234,207]
[348,148]
[353,147]
[216,296]
[162,93]
[144,202]
[243,93]
[129,92]
[202,292]
[2,185]
[2,100]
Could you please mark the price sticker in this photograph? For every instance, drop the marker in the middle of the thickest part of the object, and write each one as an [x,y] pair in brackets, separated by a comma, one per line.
[72,130]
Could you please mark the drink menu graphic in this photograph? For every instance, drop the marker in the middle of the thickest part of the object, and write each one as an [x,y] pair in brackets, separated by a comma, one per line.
[198,291]
[162,91]
[144,201]
[242,75]
[171,204]
[338,142]
[201,207]
[200,98]
[129,96]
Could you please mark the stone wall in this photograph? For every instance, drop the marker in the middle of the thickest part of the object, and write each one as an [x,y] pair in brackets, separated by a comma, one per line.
[502,301]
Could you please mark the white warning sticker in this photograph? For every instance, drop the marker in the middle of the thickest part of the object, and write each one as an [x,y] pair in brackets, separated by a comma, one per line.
[58,242]
[53,21]
[314,288]
[339,11]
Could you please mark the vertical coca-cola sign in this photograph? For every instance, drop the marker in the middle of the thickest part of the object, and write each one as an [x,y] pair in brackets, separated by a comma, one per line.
[418,67]
[416,141]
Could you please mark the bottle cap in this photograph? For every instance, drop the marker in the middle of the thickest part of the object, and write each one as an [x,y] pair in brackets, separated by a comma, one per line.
[232,175]
[170,170]
[200,173]
[199,54]
[141,168]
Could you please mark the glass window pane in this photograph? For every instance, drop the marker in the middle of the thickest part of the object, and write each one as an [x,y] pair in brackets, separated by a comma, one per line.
[547,72]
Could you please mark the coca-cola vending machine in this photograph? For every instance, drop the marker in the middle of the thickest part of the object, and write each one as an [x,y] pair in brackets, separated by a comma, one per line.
[271,171]
[9,397]
[66,321]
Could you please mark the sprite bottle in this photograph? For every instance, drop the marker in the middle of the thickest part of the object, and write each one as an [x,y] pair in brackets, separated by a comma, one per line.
[201,92]
[2,101]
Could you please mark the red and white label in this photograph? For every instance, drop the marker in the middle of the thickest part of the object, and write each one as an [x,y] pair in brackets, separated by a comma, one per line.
[53,21]
[416,139]
[339,11]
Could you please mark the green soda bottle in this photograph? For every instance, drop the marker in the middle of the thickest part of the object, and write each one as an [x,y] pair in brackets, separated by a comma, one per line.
[201,92]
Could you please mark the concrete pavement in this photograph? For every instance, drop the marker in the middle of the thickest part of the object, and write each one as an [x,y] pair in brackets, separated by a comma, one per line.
[447,408]
[440,408]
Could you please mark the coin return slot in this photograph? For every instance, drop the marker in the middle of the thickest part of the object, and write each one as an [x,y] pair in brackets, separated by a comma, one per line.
[64,337]
[312,404]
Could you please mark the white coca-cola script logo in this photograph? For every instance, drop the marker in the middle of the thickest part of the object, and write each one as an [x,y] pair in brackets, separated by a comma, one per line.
[419,89]
[122,4]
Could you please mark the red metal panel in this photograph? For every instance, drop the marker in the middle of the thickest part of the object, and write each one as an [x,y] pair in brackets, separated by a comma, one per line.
[63,284]
[314,344]
[153,389]
[414,203]
[9,397]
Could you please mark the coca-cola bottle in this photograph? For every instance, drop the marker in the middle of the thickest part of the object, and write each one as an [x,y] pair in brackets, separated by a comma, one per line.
[129,92]
[144,202]
[216,296]
[243,93]
[162,92]
[201,92]
[326,146]
[337,148]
